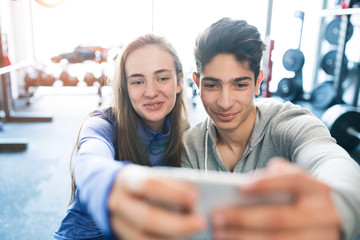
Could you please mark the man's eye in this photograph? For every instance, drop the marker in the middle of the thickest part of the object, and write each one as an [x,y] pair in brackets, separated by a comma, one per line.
[241,85]
[210,85]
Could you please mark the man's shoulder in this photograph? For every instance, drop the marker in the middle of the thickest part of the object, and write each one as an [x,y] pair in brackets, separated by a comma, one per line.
[195,132]
[272,103]
[274,106]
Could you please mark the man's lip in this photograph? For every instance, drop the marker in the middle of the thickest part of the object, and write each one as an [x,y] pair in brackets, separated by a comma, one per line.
[225,116]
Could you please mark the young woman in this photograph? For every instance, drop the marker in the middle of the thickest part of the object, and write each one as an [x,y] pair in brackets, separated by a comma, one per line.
[144,126]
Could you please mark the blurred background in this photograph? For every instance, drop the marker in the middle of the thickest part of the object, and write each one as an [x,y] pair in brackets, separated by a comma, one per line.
[55,57]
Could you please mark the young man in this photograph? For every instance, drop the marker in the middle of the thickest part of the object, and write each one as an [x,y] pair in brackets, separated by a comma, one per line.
[243,134]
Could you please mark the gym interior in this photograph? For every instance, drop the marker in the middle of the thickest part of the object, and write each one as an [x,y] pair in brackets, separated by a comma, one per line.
[56,57]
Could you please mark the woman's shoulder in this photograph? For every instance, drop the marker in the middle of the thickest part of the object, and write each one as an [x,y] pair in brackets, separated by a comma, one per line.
[106,114]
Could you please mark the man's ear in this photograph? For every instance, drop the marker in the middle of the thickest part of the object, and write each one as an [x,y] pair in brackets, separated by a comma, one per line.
[258,82]
[196,78]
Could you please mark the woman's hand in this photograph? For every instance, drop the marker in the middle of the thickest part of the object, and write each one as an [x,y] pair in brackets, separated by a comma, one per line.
[311,215]
[152,208]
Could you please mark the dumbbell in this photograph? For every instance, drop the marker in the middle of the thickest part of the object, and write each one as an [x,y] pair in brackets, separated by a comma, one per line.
[102,80]
[89,78]
[32,78]
[67,79]
[47,79]
[343,121]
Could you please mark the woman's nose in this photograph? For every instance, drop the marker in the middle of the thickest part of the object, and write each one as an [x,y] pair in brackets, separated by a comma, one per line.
[151,89]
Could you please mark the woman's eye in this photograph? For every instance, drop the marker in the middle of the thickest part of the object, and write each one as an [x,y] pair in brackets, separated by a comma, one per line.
[136,82]
[162,79]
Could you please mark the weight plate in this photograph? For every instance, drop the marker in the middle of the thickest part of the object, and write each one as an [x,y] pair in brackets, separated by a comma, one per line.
[328,62]
[288,89]
[339,118]
[333,29]
[324,95]
[293,60]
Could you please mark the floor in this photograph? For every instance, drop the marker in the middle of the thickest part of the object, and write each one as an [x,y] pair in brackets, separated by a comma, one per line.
[35,184]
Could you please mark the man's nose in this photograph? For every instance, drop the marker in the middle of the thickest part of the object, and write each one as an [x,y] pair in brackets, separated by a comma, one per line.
[225,100]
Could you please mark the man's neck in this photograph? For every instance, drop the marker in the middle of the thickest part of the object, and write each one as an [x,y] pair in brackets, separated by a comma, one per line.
[232,144]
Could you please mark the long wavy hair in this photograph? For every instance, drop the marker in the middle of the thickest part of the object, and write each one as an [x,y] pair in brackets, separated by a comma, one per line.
[129,146]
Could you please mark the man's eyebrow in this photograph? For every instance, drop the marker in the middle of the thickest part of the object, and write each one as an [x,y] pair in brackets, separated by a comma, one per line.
[242,79]
[212,79]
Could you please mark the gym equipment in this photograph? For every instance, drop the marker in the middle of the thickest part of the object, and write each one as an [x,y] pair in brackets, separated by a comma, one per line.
[324,95]
[267,59]
[16,144]
[267,65]
[32,78]
[67,79]
[35,77]
[328,62]
[293,59]
[89,78]
[102,79]
[333,29]
[47,79]
[83,53]
[334,63]
[343,121]
[290,89]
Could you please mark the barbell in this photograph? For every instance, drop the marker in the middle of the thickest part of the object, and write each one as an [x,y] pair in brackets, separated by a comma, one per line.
[343,122]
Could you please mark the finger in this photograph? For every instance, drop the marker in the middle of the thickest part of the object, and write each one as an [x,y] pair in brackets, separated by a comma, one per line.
[152,218]
[248,234]
[290,179]
[260,218]
[172,192]
[274,217]
[128,232]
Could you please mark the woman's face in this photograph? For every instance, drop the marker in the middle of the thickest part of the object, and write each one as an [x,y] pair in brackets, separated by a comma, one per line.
[152,84]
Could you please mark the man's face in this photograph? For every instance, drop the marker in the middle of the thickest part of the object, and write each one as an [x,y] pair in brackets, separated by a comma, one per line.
[227,89]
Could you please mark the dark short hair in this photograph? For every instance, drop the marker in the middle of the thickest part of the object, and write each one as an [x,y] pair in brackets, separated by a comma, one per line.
[230,36]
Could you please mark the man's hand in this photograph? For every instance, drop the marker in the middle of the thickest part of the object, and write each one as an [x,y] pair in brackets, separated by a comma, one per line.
[153,208]
[310,216]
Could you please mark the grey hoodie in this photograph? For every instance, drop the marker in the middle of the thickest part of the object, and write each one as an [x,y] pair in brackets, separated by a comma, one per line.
[292,132]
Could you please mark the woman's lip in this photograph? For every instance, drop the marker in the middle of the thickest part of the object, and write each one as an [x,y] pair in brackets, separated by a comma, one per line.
[226,116]
[153,106]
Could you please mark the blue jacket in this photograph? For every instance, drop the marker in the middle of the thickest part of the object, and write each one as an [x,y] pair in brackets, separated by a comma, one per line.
[95,170]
